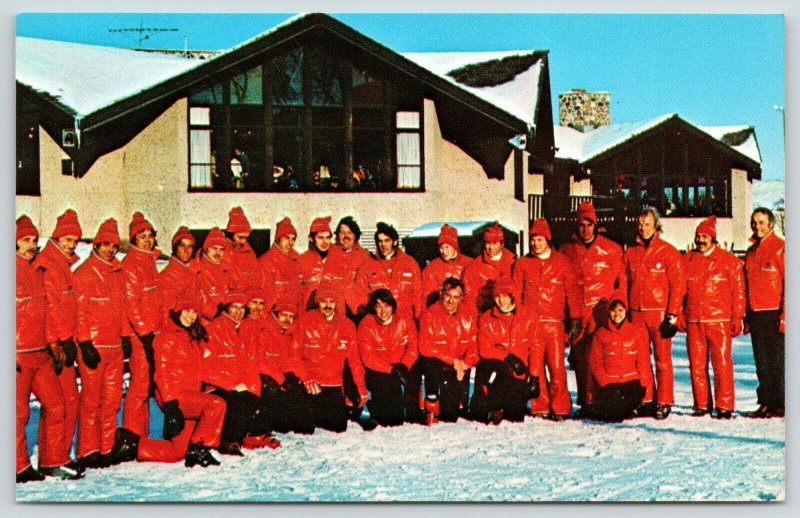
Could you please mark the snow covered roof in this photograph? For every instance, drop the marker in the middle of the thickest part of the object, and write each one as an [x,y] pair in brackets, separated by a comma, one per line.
[86,78]
[584,146]
[464,228]
[518,97]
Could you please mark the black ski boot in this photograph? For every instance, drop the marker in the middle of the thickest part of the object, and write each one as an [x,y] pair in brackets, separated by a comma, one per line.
[126,446]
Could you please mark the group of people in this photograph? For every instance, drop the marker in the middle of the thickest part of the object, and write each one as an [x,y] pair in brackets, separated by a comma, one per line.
[234,347]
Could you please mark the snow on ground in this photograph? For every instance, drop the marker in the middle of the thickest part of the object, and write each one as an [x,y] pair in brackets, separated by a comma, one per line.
[679,459]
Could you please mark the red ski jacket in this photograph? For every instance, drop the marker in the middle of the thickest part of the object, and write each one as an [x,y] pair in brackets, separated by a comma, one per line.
[479,277]
[598,267]
[399,274]
[313,270]
[548,286]
[656,281]
[144,304]
[101,315]
[31,307]
[213,281]
[764,265]
[275,353]
[620,355]
[280,275]
[382,345]
[176,277]
[323,346]
[230,356]
[62,302]
[714,287]
[243,267]
[437,271]
[178,359]
[448,337]
[501,334]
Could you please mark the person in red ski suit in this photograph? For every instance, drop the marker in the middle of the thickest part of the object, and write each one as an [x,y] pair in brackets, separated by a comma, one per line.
[548,284]
[36,368]
[619,366]
[180,273]
[712,315]
[230,370]
[764,265]
[325,342]
[193,419]
[240,259]
[388,347]
[656,286]
[318,264]
[144,308]
[56,260]
[280,274]
[213,276]
[281,389]
[495,263]
[448,349]
[101,321]
[348,253]
[503,384]
[450,263]
[393,269]
[598,266]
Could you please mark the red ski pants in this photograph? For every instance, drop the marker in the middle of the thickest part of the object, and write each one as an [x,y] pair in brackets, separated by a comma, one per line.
[704,340]
[69,390]
[136,412]
[98,405]
[662,353]
[548,347]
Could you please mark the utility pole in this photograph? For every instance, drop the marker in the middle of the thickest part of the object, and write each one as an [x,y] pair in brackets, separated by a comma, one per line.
[143,32]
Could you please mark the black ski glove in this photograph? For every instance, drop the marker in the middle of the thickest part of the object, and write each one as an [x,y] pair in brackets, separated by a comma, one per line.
[58,360]
[667,329]
[173,419]
[516,365]
[70,351]
[533,387]
[91,358]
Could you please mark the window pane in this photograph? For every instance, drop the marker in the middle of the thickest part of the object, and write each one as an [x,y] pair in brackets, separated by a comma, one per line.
[287,87]
[408,177]
[326,88]
[408,149]
[408,120]
[246,87]
[199,116]
[367,90]
[201,176]
[209,95]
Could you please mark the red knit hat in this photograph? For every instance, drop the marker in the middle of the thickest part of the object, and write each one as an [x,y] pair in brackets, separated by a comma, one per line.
[541,228]
[237,222]
[325,290]
[284,228]
[236,297]
[107,233]
[285,303]
[504,285]
[708,226]
[321,225]
[25,228]
[493,233]
[448,236]
[138,224]
[586,211]
[67,225]
[256,292]
[187,298]
[215,237]
[182,233]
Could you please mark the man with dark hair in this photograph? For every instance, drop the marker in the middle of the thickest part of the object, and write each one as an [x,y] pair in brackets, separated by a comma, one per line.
[280,274]
[548,284]
[317,264]
[213,276]
[656,286]
[712,316]
[598,265]
[450,263]
[349,254]
[766,315]
[145,308]
[448,349]
[393,269]
[388,347]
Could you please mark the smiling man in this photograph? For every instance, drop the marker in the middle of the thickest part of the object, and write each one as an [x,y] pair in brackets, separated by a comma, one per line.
[713,312]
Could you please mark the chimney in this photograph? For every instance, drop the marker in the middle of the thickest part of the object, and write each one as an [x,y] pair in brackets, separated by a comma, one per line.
[584,110]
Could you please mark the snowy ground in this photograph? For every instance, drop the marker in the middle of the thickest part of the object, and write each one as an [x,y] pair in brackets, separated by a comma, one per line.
[679,459]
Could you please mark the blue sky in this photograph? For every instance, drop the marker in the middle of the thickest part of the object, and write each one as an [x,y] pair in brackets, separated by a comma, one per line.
[712,69]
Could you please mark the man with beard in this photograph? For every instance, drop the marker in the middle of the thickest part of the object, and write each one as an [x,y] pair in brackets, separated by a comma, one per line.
[350,256]
[450,263]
